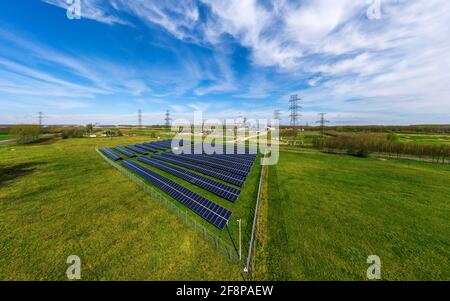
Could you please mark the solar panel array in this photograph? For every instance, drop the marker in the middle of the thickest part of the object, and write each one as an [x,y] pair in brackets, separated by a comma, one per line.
[225,164]
[137,149]
[164,144]
[125,152]
[232,169]
[146,147]
[192,168]
[220,189]
[208,210]
[210,171]
[226,149]
[214,158]
[111,154]
[155,147]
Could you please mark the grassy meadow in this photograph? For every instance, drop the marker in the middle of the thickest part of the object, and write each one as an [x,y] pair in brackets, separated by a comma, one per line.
[321,215]
[428,139]
[4,137]
[61,198]
[324,214]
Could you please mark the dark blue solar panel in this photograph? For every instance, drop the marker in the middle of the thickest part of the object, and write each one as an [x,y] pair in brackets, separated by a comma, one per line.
[150,148]
[232,169]
[220,189]
[219,174]
[245,167]
[154,146]
[213,213]
[235,158]
[137,149]
[147,148]
[236,151]
[125,152]
[246,164]
[111,154]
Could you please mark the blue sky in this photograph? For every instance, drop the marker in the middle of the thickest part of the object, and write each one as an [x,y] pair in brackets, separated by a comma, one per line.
[225,57]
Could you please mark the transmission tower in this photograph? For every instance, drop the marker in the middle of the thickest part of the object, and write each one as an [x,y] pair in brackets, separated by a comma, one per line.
[168,119]
[277,115]
[140,118]
[322,122]
[294,107]
[40,117]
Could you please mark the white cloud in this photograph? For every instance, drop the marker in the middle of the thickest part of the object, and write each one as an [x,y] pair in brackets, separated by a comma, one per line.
[395,64]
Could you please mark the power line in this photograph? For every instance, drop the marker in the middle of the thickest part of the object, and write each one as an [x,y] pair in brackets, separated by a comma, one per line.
[322,122]
[294,106]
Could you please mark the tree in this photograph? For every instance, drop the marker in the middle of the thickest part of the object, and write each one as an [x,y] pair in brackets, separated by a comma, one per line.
[89,128]
[26,133]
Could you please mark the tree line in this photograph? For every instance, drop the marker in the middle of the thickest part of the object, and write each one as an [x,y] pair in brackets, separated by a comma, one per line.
[28,133]
[364,144]
[407,129]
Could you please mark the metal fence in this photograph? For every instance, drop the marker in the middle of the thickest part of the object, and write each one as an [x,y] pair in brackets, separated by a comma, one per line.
[223,247]
[255,218]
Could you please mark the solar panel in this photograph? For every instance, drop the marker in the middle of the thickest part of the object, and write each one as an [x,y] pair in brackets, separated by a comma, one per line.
[226,162]
[236,151]
[156,147]
[165,143]
[230,168]
[111,154]
[216,173]
[208,210]
[125,152]
[137,149]
[220,189]
[239,158]
[150,148]
[147,148]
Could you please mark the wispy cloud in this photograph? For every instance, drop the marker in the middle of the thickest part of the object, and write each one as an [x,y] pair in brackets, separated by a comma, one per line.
[327,51]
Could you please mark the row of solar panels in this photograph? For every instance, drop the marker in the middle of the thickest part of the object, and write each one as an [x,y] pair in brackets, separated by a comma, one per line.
[218,188]
[223,167]
[210,211]
[239,168]
[226,149]
[213,172]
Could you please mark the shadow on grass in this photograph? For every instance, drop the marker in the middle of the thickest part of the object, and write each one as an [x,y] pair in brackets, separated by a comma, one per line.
[9,173]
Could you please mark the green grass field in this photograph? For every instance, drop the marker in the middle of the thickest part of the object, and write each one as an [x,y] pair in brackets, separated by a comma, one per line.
[61,199]
[428,139]
[326,213]
[321,216]
[4,137]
